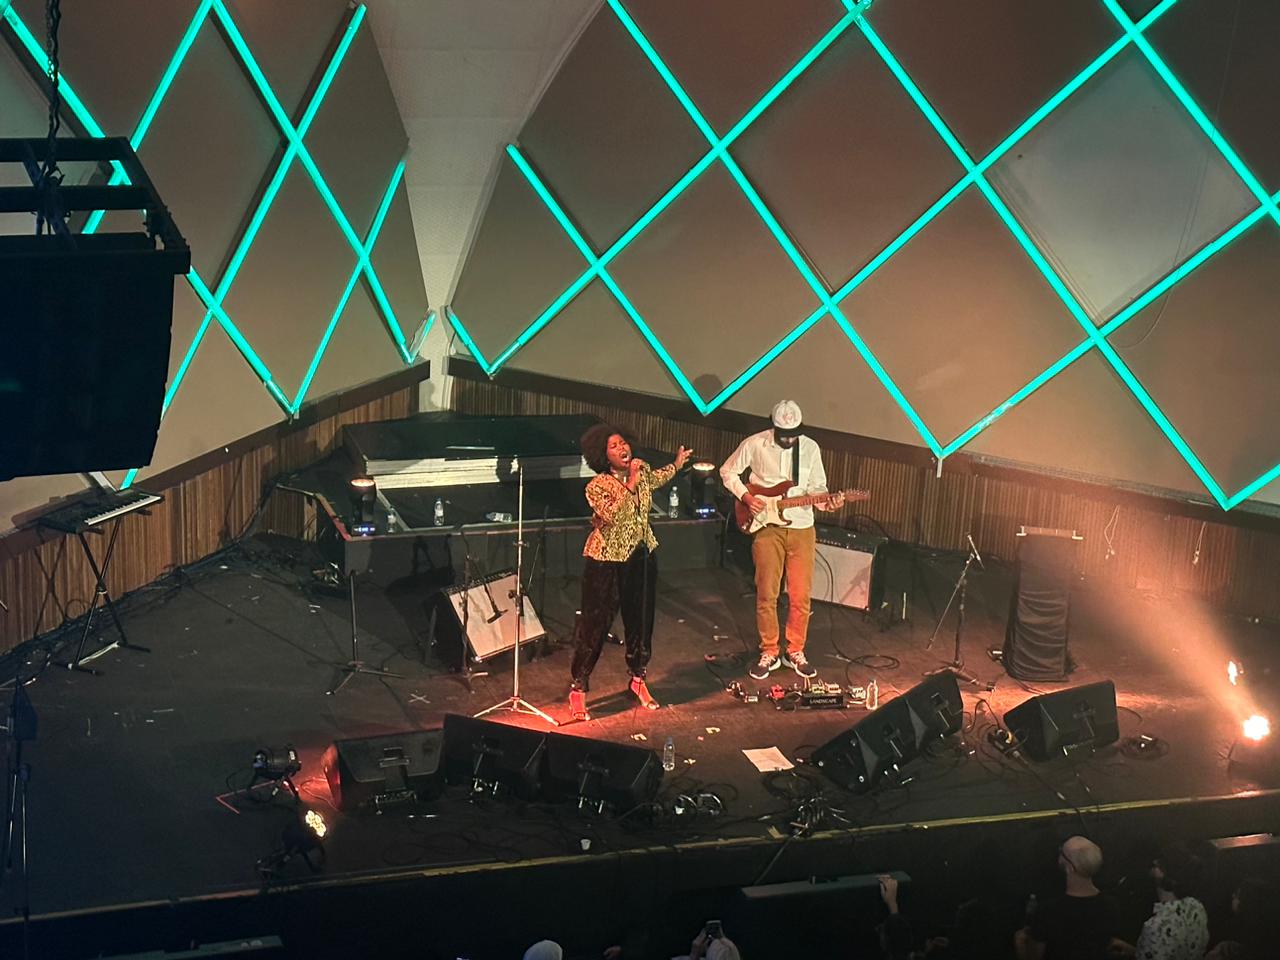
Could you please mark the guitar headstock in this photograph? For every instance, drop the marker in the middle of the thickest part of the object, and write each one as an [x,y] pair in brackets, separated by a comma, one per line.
[852,496]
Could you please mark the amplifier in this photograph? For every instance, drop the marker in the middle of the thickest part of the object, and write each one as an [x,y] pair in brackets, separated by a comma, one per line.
[845,570]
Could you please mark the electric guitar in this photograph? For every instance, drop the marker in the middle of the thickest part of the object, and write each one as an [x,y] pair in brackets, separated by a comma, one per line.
[775,503]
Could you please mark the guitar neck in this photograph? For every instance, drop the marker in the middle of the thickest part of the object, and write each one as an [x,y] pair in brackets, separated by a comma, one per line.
[806,501]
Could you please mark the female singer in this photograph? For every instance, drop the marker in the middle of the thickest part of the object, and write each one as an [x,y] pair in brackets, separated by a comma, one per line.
[620,570]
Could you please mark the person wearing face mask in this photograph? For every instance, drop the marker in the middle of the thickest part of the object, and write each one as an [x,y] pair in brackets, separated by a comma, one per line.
[620,570]
[771,457]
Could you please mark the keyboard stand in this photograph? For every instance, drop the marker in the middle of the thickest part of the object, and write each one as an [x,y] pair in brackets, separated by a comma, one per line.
[101,595]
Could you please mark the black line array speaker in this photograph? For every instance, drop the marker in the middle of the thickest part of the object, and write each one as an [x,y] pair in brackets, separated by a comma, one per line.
[879,745]
[84,359]
[384,768]
[1049,724]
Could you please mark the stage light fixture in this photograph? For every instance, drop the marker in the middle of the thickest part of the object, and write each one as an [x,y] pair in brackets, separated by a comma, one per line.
[364,493]
[703,488]
[1257,728]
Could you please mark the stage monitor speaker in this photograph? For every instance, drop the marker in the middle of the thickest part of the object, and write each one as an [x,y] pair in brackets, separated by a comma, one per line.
[845,569]
[597,774]
[488,633]
[1049,724]
[494,758]
[887,739]
[1035,646]
[384,769]
[85,353]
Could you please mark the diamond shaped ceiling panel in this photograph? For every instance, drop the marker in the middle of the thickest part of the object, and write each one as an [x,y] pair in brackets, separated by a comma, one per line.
[623,359]
[217,379]
[832,384]
[1207,356]
[847,126]
[520,261]
[1084,422]
[288,39]
[115,81]
[1237,83]
[354,354]
[727,56]
[987,66]
[24,115]
[291,281]
[238,142]
[961,318]
[397,265]
[590,132]
[1120,161]
[711,282]
[357,138]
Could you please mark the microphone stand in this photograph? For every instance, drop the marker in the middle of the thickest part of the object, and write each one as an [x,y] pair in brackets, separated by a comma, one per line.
[514,703]
[956,664]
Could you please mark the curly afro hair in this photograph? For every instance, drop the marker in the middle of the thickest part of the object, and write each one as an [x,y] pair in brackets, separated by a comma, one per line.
[594,444]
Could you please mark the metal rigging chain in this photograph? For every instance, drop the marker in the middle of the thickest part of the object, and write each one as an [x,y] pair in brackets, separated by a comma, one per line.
[50,175]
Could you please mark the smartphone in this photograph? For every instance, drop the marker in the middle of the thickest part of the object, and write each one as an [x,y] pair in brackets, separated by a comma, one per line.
[713,930]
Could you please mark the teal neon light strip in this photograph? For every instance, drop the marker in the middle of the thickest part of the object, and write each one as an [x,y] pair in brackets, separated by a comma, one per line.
[676,189]
[1055,282]
[294,137]
[749,117]
[118,175]
[1188,102]
[370,241]
[775,229]
[596,267]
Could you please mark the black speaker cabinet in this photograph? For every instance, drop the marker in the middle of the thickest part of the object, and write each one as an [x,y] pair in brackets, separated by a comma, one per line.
[384,768]
[1047,725]
[600,774]
[491,757]
[889,738]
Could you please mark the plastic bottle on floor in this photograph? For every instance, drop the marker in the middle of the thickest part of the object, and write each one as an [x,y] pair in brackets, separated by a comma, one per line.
[669,754]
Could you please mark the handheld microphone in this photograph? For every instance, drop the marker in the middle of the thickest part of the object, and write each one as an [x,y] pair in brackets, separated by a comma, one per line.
[974,547]
[497,615]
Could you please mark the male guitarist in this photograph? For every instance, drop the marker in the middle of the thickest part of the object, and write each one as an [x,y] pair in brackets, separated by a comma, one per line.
[781,455]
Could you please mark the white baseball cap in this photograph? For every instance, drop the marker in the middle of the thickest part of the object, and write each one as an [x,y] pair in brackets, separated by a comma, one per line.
[786,415]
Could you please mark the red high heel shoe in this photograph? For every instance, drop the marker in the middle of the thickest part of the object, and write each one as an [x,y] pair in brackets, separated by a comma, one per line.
[641,690]
[578,705]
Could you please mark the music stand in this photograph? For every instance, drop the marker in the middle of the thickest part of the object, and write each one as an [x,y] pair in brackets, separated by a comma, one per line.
[515,703]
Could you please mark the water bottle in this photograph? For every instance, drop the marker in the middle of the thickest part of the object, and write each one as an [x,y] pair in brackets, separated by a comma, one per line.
[669,754]
[391,523]
[438,515]
[673,504]
[873,694]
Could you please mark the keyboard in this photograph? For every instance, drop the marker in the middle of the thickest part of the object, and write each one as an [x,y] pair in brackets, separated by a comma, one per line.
[98,509]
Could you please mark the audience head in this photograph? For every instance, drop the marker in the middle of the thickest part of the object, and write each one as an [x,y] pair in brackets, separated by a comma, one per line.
[722,948]
[1080,856]
[976,932]
[895,937]
[1177,870]
[544,950]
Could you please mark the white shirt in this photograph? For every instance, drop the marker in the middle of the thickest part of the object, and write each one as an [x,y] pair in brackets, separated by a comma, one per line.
[1177,930]
[770,464]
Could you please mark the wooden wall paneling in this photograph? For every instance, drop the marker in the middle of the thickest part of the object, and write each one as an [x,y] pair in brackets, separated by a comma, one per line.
[45,579]
[1153,547]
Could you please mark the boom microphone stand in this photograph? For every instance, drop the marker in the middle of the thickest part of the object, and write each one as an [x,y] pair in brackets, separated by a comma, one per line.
[515,703]
[956,664]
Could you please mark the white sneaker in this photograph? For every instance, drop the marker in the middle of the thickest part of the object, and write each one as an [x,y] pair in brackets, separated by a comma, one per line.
[798,662]
[764,667]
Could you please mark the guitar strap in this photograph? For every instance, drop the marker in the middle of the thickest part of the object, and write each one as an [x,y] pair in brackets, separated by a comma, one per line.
[795,463]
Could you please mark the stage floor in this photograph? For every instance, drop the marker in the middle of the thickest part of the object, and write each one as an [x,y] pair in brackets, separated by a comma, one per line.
[126,773]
